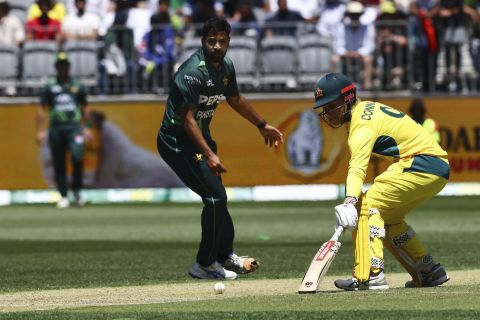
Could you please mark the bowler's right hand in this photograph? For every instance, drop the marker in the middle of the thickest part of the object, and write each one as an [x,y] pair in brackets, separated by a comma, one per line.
[215,165]
[40,137]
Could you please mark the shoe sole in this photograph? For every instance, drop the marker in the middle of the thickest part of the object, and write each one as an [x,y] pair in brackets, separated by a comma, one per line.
[382,287]
[197,277]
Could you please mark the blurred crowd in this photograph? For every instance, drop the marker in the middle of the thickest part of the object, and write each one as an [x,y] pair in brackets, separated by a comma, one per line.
[141,38]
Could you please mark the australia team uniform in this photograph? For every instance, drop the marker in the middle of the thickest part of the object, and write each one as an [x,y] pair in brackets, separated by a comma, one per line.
[64,104]
[196,85]
[420,170]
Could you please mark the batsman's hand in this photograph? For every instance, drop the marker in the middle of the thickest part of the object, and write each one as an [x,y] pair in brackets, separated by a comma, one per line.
[346,215]
[271,135]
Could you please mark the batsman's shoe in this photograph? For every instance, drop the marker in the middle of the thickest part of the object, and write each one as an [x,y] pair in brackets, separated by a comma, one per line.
[435,277]
[241,264]
[213,271]
[63,203]
[376,282]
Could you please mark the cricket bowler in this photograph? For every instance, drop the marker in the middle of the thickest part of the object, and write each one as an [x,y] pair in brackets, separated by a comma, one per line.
[185,143]
[420,170]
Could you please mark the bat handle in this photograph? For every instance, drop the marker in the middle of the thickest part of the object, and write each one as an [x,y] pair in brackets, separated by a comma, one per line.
[338,232]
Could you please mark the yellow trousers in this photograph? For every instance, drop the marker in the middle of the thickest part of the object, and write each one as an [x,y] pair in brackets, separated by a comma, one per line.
[392,196]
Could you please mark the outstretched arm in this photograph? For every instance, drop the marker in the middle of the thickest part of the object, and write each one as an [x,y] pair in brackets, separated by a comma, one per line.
[271,134]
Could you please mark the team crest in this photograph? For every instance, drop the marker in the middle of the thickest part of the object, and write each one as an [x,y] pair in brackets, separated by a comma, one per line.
[318,93]
[308,152]
[225,81]
[198,157]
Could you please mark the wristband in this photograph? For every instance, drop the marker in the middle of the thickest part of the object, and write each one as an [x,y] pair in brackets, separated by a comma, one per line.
[262,124]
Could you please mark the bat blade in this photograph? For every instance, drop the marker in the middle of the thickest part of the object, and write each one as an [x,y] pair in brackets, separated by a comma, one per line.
[319,266]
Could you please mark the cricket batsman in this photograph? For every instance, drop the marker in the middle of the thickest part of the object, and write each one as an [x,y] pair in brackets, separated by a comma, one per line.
[420,170]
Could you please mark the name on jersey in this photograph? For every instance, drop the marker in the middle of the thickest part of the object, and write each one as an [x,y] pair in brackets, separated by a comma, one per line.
[192,80]
[209,100]
[368,111]
[204,114]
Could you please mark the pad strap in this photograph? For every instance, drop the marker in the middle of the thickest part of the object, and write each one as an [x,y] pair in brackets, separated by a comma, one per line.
[377,232]
[403,238]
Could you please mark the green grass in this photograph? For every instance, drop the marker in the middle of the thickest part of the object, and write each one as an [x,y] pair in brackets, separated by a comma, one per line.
[118,245]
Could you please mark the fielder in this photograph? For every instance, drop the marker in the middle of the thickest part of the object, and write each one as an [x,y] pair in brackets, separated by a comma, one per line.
[420,170]
[185,143]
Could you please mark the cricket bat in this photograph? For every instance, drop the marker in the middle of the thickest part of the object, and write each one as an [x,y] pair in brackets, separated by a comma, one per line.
[320,263]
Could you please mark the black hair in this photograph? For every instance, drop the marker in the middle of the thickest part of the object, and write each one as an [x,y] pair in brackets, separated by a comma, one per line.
[216,25]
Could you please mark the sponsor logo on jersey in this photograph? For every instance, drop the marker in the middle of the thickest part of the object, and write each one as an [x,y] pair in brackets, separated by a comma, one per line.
[225,81]
[192,80]
[204,114]
[209,100]
[210,83]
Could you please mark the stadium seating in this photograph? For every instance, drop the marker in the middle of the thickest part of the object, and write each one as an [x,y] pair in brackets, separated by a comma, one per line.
[278,56]
[38,62]
[9,62]
[189,46]
[243,52]
[314,54]
[84,61]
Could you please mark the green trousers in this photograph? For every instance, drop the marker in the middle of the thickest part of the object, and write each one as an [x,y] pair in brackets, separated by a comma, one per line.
[217,226]
[62,138]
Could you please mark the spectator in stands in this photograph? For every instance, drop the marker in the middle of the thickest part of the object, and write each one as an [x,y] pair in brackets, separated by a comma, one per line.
[423,37]
[308,9]
[118,57]
[64,104]
[44,27]
[370,13]
[81,25]
[157,50]
[392,44]
[284,21]
[355,45]
[57,10]
[418,113]
[243,21]
[12,31]
[196,12]
[474,7]
[453,18]
[331,15]
[97,7]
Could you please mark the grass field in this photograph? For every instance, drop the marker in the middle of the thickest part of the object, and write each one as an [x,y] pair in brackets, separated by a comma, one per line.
[130,262]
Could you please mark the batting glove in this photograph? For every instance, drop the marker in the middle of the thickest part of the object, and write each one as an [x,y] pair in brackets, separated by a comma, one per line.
[346,215]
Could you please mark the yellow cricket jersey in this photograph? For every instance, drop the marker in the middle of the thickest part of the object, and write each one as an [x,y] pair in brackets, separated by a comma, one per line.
[382,130]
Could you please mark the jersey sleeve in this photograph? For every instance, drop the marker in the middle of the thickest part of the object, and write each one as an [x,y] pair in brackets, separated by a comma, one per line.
[360,142]
[189,85]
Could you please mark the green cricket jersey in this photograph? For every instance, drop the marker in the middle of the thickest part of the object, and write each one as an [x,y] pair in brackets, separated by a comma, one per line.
[197,85]
[64,102]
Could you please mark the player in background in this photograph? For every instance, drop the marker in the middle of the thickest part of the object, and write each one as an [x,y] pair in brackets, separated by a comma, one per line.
[185,143]
[418,111]
[419,172]
[64,103]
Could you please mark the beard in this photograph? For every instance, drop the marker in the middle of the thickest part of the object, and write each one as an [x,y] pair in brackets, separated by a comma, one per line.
[215,57]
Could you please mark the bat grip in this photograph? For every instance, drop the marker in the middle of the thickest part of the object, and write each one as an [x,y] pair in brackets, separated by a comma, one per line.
[338,232]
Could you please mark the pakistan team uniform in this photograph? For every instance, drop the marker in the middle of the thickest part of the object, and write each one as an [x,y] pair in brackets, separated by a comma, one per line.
[196,85]
[64,104]
[420,170]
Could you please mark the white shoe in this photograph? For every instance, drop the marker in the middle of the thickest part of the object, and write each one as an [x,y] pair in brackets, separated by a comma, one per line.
[240,264]
[375,282]
[63,203]
[213,271]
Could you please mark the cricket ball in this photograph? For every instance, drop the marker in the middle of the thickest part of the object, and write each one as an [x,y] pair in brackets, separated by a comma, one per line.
[219,288]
